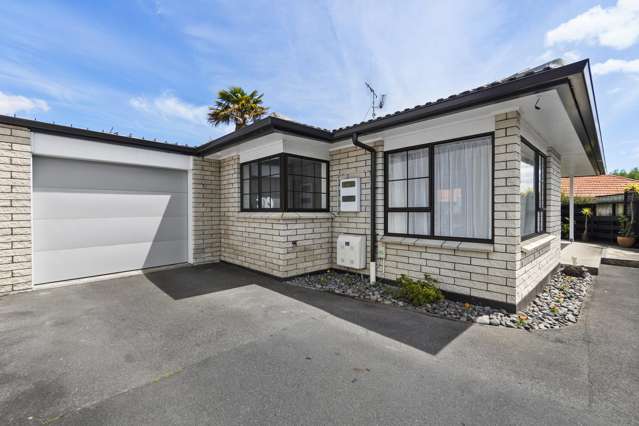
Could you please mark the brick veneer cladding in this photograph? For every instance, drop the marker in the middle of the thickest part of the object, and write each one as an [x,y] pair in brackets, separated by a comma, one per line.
[352,162]
[280,244]
[537,264]
[472,269]
[206,210]
[15,209]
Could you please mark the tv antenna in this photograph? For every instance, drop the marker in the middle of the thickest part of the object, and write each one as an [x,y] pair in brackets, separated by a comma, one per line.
[375,104]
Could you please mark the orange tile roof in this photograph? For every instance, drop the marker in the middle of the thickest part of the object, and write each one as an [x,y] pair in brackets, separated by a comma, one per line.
[596,186]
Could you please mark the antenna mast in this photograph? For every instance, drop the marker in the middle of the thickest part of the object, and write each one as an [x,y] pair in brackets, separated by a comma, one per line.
[374,103]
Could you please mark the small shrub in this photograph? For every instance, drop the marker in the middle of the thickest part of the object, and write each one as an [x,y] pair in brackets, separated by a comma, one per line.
[419,292]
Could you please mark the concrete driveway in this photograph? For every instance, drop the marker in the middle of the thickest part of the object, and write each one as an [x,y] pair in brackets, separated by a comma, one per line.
[216,344]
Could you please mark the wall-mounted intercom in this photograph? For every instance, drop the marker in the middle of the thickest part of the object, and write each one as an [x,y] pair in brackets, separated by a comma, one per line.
[349,195]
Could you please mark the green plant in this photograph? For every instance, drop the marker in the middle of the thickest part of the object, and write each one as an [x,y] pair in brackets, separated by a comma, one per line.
[587,212]
[419,292]
[236,106]
[565,230]
[632,173]
[522,320]
[625,226]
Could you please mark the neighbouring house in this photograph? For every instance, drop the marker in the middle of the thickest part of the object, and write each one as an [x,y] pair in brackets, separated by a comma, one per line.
[465,188]
[605,192]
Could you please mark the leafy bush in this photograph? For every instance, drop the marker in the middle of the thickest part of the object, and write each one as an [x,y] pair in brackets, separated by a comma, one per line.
[419,292]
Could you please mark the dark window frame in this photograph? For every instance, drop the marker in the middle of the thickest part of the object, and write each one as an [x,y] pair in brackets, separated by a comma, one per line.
[431,191]
[540,208]
[283,157]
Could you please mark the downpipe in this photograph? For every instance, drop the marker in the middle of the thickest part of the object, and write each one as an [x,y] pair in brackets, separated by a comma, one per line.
[373,206]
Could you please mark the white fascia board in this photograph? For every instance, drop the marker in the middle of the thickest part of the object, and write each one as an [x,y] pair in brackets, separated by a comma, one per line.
[252,149]
[306,147]
[451,126]
[275,143]
[83,149]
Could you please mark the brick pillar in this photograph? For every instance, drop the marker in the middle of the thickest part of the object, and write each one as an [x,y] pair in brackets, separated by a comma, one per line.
[15,209]
[206,210]
[553,193]
[507,199]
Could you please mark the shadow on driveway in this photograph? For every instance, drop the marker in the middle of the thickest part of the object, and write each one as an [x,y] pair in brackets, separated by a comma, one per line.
[399,324]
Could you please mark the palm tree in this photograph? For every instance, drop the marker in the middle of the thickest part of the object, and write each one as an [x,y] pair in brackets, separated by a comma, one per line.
[237,106]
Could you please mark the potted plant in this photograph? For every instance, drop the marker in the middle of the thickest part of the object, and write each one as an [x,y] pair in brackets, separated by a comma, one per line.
[626,237]
[587,212]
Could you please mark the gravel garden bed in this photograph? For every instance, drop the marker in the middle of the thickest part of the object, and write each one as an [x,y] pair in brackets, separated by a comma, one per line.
[557,305]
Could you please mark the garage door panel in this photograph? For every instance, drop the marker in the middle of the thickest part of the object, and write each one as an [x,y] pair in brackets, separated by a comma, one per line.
[59,265]
[93,218]
[93,175]
[59,205]
[79,233]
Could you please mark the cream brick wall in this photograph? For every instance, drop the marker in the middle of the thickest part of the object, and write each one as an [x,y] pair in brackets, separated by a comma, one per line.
[15,209]
[206,210]
[537,264]
[479,270]
[351,162]
[280,244]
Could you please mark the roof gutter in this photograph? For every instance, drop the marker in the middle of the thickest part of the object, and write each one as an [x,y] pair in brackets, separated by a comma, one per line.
[373,203]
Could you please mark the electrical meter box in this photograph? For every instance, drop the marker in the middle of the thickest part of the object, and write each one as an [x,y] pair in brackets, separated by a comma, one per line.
[351,251]
[349,195]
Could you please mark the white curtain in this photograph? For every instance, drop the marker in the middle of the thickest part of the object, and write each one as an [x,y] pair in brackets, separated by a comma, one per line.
[463,189]
[527,191]
[408,187]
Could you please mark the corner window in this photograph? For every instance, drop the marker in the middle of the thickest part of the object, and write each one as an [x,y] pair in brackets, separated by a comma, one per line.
[284,183]
[443,190]
[532,191]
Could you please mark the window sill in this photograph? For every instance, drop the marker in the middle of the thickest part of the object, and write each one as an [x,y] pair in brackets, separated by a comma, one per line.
[286,215]
[537,242]
[447,244]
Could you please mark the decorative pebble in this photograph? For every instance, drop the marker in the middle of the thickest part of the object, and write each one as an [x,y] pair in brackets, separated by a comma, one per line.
[557,305]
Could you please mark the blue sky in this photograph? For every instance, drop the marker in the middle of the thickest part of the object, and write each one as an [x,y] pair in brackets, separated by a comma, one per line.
[150,68]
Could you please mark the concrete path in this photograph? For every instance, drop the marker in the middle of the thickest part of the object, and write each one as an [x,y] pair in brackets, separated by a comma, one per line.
[615,255]
[216,344]
[583,254]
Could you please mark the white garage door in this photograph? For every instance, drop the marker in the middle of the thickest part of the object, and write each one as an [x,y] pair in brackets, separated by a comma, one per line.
[92,218]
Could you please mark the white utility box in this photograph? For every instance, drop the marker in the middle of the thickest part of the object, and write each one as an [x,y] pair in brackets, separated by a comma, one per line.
[349,195]
[351,251]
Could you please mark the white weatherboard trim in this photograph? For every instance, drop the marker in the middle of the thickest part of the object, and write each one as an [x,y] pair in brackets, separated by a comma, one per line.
[83,149]
[99,278]
[189,236]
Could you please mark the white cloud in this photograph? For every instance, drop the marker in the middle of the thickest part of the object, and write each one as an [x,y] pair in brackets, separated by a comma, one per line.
[569,56]
[12,104]
[170,106]
[616,65]
[616,26]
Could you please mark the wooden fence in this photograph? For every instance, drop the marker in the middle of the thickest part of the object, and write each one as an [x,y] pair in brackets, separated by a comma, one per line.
[600,228]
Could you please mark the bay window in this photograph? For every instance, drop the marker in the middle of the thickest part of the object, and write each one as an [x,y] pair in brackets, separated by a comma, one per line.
[284,182]
[532,192]
[442,190]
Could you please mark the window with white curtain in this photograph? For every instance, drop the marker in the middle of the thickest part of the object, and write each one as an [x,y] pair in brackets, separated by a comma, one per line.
[441,190]
[532,191]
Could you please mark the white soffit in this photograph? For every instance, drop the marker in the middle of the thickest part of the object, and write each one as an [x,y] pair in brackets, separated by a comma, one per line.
[550,125]
[451,126]
[253,149]
[275,143]
[82,149]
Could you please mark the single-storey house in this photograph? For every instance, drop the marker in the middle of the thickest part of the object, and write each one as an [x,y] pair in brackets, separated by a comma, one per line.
[466,189]
[606,192]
